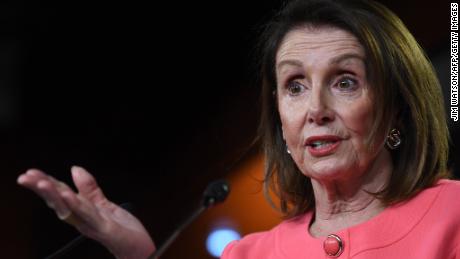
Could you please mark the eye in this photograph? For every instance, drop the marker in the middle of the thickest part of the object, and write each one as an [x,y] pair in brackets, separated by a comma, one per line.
[347,83]
[295,88]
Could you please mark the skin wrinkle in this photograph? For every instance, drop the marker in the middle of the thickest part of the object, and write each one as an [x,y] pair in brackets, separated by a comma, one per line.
[316,59]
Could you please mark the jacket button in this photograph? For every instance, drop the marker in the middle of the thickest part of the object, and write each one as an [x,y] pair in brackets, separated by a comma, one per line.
[333,245]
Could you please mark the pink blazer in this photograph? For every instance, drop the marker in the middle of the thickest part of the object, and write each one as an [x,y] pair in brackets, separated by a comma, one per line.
[425,227]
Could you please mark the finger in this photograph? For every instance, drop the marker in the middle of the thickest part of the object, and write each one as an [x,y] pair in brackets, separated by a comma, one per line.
[31,178]
[85,215]
[87,185]
[47,188]
[48,191]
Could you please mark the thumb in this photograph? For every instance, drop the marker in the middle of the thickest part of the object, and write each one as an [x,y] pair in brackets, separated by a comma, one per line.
[87,185]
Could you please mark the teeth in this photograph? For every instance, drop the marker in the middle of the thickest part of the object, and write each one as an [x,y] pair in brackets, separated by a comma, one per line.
[319,143]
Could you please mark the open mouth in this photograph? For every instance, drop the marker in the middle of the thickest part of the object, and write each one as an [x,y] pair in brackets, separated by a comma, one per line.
[322,144]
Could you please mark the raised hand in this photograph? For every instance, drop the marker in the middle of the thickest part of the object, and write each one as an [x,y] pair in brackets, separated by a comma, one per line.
[91,213]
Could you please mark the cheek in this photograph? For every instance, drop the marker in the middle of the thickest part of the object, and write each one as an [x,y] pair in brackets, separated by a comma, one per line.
[358,121]
[287,112]
[292,120]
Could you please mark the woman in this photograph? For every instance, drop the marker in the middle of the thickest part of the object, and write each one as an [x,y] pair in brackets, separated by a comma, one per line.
[355,140]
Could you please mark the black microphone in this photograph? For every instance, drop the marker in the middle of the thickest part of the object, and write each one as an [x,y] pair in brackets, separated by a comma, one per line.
[216,192]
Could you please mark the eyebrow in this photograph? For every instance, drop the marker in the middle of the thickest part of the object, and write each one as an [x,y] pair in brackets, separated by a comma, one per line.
[346,56]
[291,62]
[335,60]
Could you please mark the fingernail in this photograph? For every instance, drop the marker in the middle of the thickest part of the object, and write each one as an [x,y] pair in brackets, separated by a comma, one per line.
[75,170]
[31,172]
[21,179]
[50,204]
[63,214]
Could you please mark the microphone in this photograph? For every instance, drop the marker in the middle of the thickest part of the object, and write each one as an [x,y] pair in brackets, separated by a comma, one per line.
[216,192]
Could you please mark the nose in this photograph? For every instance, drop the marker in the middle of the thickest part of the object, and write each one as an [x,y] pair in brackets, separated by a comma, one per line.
[319,110]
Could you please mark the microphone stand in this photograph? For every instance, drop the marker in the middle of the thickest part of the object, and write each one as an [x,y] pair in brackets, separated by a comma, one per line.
[176,233]
[216,192]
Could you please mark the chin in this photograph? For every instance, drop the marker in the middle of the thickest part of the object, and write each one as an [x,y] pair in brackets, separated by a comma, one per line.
[328,170]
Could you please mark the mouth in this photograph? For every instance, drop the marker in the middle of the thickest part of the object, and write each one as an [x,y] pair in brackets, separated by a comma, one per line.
[323,145]
[322,141]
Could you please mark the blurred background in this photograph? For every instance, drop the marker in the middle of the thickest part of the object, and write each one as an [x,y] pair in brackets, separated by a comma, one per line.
[156,101]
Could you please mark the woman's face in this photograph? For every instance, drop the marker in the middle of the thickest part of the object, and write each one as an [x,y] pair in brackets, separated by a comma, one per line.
[325,102]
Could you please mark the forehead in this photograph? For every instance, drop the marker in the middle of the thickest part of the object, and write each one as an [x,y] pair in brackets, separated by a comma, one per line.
[326,42]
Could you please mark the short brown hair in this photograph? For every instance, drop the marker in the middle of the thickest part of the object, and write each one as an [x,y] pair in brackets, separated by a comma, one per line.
[409,92]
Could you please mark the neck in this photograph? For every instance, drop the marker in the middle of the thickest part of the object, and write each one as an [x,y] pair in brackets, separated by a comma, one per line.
[342,203]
